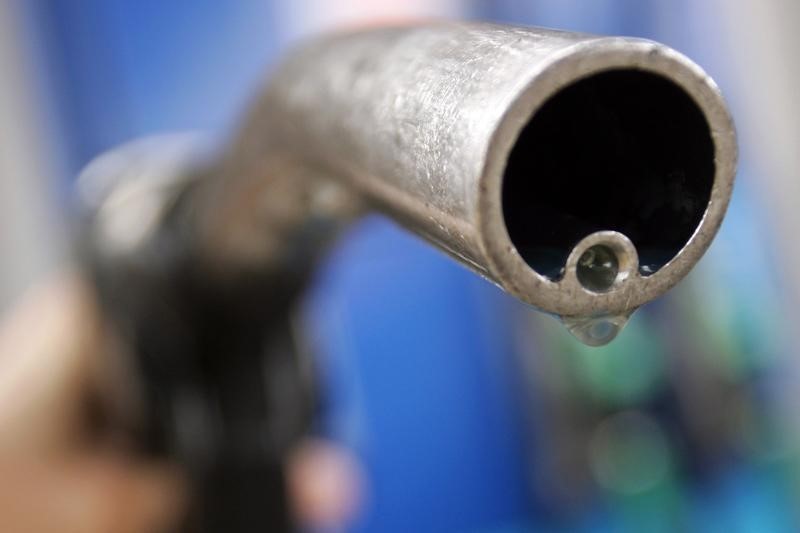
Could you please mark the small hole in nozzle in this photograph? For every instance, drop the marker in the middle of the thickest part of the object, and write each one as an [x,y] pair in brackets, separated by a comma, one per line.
[597,268]
[623,150]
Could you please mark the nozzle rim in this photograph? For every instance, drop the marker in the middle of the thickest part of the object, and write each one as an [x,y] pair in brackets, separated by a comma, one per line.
[568,66]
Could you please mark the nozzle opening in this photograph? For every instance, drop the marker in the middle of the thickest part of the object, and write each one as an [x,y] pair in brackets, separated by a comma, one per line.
[623,150]
[597,268]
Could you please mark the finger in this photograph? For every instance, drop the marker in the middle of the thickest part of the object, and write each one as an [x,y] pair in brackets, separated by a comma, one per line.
[325,484]
[47,348]
[89,495]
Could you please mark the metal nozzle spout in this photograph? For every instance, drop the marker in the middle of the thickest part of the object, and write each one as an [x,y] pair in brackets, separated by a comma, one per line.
[504,147]
[513,150]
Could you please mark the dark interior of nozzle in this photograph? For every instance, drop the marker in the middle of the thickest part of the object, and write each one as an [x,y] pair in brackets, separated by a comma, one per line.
[622,150]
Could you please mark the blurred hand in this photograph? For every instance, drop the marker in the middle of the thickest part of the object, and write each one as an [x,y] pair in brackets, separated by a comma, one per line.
[56,475]
[53,476]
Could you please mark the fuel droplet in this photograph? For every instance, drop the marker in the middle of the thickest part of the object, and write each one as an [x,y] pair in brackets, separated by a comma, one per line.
[596,330]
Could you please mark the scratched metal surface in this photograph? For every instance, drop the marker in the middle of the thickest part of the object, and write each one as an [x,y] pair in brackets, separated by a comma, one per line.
[418,121]
[406,115]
